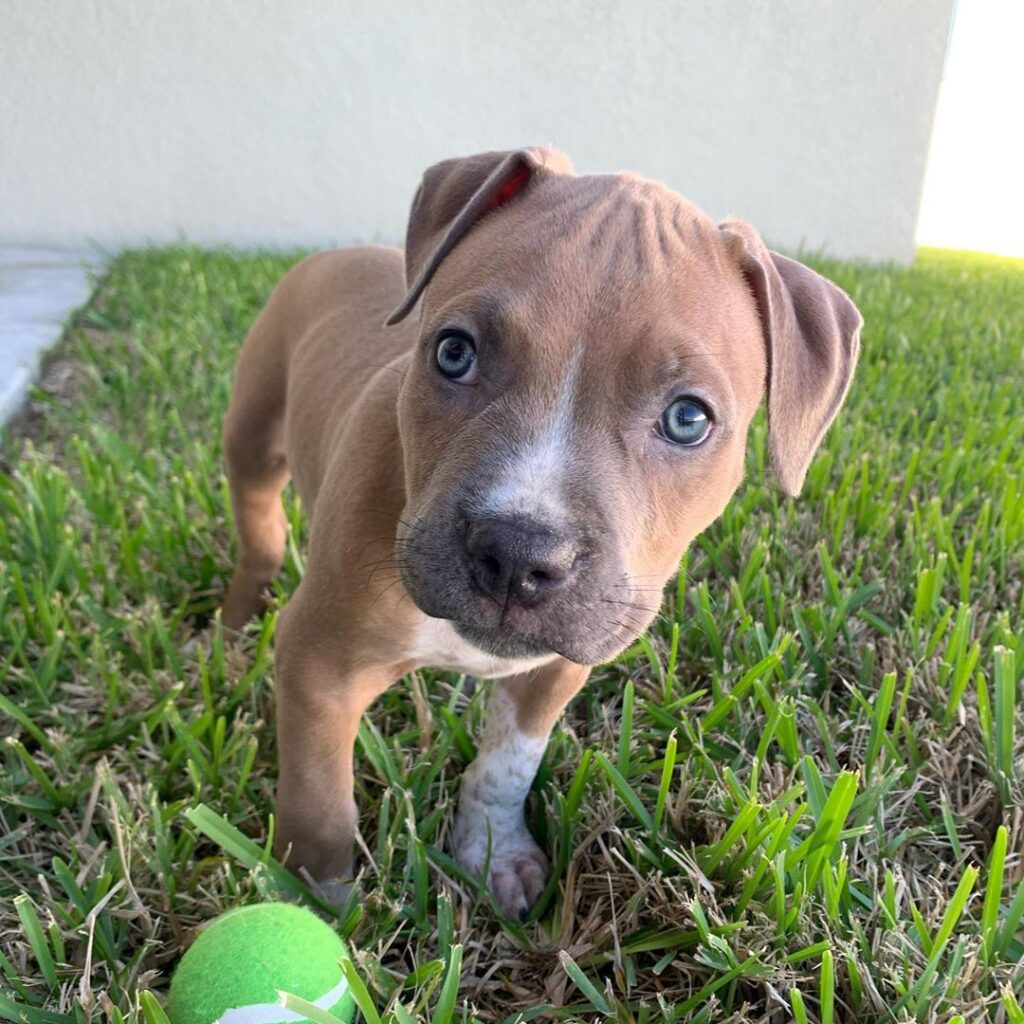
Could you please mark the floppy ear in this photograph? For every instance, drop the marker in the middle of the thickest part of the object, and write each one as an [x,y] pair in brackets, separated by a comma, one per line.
[453,196]
[812,336]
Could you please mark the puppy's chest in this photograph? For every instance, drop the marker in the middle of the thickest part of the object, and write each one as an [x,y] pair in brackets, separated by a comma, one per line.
[437,645]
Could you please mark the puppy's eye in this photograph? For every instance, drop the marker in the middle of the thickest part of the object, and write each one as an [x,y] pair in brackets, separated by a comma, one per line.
[687,421]
[456,357]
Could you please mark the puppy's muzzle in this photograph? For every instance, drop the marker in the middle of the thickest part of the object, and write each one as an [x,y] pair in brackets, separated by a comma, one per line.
[519,562]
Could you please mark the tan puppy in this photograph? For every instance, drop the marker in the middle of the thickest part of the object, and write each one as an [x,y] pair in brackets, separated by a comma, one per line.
[502,484]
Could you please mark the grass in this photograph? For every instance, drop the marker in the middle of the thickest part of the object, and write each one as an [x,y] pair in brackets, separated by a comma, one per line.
[801,797]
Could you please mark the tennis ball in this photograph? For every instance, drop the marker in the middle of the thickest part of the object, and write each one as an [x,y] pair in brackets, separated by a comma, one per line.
[234,970]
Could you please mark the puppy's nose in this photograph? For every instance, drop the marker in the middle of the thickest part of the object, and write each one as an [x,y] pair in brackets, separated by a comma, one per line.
[518,562]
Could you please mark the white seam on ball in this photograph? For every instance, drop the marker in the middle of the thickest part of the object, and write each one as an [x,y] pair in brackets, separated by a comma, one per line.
[273,1013]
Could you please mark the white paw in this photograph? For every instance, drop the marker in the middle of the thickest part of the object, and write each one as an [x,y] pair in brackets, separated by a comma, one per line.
[518,866]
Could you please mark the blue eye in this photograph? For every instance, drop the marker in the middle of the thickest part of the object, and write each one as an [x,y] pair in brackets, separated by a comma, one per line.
[687,421]
[456,357]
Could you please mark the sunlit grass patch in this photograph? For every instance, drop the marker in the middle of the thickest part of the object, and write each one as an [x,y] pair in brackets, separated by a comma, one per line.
[801,797]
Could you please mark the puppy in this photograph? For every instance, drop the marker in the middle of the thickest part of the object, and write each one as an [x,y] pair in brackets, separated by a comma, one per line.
[502,483]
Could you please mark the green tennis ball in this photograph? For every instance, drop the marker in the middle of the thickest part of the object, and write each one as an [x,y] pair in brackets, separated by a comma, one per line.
[242,959]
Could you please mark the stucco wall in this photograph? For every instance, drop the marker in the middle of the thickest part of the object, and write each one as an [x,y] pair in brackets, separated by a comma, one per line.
[310,121]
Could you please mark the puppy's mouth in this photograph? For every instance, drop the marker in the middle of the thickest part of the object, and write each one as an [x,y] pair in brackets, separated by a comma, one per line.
[588,621]
[506,636]
[501,643]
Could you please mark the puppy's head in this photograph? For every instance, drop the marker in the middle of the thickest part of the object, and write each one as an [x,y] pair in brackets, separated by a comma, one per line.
[591,353]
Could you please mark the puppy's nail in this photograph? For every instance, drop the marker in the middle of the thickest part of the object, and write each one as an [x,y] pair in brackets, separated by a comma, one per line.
[335,891]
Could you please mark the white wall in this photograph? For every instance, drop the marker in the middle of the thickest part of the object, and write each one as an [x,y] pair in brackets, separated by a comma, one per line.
[310,121]
[973,196]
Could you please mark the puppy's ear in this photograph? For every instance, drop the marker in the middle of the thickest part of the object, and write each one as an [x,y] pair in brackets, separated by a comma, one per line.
[453,196]
[812,336]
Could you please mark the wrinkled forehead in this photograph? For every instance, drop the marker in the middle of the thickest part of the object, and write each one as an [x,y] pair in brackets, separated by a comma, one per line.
[620,228]
[615,260]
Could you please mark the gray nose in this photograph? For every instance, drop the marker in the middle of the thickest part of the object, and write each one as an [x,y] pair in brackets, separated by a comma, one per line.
[518,562]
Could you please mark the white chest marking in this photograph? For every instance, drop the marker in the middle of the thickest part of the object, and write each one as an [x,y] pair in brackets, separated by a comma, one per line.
[437,645]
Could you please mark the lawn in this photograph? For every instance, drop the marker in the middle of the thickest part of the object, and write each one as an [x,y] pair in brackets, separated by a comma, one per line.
[801,797]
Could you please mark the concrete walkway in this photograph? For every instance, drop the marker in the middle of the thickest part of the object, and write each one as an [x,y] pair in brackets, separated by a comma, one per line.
[39,290]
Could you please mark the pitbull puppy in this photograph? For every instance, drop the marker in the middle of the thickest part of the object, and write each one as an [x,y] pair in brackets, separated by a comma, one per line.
[502,484]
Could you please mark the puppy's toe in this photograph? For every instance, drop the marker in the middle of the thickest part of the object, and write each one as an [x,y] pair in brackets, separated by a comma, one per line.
[533,873]
[509,893]
[518,882]
[518,866]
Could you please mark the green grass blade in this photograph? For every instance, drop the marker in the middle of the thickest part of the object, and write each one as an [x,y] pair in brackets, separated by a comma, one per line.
[360,993]
[152,1011]
[584,984]
[244,850]
[33,929]
[879,720]
[306,1009]
[827,988]
[444,1012]
[993,896]
[626,792]
[796,1000]
[1005,686]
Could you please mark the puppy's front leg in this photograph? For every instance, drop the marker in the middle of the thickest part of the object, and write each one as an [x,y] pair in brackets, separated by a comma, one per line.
[319,707]
[521,712]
